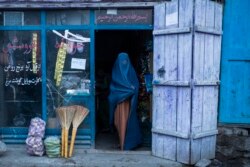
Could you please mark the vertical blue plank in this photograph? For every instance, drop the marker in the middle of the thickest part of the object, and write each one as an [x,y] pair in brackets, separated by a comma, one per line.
[43,46]
[198,71]
[170,95]
[234,96]
[158,110]
[184,73]
[92,76]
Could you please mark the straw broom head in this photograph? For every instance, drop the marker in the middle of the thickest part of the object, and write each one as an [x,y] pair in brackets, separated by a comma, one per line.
[61,111]
[70,112]
[60,114]
[80,115]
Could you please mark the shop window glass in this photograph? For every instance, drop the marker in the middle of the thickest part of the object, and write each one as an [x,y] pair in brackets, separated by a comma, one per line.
[20,78]
[19,18]
[68,71]
[69,17]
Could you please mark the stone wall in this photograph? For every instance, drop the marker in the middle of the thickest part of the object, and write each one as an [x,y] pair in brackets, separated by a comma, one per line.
[233,146]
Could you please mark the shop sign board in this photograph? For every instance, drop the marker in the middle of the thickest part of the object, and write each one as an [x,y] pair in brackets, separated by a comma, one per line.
[124,16]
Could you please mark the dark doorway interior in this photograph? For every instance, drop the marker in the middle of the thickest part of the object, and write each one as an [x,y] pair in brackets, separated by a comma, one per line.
[108,44]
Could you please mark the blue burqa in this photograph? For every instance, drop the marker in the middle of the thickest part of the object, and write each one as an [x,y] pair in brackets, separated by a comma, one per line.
[124,85]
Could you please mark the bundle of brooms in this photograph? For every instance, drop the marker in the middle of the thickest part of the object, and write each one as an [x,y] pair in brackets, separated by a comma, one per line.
[67,114]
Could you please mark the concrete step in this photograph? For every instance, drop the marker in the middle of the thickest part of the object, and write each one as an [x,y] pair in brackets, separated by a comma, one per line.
[17,156]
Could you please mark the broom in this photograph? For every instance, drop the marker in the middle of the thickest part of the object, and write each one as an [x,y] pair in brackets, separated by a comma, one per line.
[69,115]
[80,115]
[61,114]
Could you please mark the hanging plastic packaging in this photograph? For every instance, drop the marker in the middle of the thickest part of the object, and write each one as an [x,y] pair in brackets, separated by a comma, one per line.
[34,52]
[61,55]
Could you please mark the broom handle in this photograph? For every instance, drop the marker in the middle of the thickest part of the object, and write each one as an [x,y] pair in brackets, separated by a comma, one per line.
[62,144]
[66,134]
[73,136]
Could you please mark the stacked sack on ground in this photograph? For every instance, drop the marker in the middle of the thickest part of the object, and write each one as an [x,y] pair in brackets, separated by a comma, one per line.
[34,141]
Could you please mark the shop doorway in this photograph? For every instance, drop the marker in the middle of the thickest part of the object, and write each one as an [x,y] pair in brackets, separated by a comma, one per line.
[138,45]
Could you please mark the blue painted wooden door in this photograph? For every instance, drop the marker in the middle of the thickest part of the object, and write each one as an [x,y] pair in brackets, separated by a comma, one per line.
[235,67]
[186,74]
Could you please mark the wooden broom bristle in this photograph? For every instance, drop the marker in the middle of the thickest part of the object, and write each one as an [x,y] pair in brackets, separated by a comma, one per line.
[80,115]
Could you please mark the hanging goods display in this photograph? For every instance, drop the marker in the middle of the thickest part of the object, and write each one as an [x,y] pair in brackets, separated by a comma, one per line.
[34,52]
[61,55]
[66,48]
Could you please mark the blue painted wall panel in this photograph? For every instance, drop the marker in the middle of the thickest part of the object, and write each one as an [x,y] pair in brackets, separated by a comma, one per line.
[18,134]
[235,66]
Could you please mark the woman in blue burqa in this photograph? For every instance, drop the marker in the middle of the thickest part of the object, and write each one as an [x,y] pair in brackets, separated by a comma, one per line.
[123,102]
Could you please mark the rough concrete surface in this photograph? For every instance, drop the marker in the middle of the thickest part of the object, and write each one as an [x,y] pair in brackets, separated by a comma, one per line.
[3,148]
[17,156]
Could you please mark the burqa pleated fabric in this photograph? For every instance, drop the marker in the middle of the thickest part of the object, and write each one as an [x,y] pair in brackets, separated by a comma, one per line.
[124,87]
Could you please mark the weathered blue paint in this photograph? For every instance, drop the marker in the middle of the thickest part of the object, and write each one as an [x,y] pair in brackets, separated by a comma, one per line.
[235,66]
[71,27]
[86,136]
[13,134]
[19,134]
[20,27]
[92,77]
[43,46]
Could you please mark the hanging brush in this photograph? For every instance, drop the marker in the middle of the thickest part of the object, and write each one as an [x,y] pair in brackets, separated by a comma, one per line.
[80,115]
[60,112]
[69,115]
